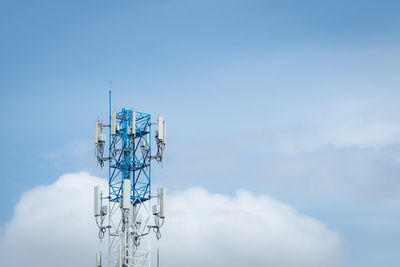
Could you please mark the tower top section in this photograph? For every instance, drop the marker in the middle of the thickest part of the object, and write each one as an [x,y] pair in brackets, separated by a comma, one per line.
[130,151]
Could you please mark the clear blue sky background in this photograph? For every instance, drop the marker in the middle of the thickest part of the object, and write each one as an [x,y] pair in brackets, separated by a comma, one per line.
[295,99]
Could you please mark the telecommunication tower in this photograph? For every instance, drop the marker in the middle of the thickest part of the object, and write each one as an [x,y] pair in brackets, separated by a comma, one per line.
[131,216]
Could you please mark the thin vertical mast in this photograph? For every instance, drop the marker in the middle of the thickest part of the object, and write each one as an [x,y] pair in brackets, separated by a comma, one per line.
[109,170]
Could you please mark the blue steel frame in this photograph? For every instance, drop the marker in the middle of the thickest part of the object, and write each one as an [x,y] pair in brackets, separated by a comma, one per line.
[127,160]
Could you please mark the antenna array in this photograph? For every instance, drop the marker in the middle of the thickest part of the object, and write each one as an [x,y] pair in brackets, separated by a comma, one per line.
[129,191]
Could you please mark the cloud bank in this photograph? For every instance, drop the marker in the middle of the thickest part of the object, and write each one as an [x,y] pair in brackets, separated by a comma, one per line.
[216,230]
[53,226]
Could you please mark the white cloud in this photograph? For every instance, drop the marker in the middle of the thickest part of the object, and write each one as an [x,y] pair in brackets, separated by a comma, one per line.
[53,226]
[208,229]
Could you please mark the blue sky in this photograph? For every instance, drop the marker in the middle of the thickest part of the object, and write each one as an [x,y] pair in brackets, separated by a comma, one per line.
[295,99]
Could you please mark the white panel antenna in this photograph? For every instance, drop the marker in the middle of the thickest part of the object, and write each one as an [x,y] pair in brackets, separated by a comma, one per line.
[133,130]
[126,194]
[98,259]
[96,132]
[163,194]
[164,132]
[160,133]
[113,123]
[97,201]
[99,141]
[160,138]
[147,137]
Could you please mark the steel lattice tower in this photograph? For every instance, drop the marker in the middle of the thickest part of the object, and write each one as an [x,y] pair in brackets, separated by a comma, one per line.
[129,193]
